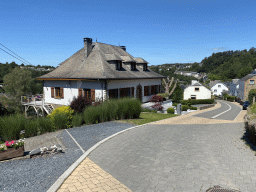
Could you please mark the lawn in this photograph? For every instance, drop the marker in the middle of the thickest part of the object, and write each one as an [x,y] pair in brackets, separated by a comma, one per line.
[147,118]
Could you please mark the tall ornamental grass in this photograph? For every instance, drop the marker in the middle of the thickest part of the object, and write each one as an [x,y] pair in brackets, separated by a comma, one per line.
[125,108]
[77,120]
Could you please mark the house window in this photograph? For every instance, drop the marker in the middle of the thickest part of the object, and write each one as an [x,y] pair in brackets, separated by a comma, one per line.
[193,96]
[153,89]
[219,85]
[124,92]
[132,90]
[88,93]
[251,82]
[197,89]
[133,66]
[57,92]
[146,90]
[113,93]
[145,67]
[119,65]
[215,90]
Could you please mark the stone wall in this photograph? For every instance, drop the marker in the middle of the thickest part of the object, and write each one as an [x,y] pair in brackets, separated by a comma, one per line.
[250,125]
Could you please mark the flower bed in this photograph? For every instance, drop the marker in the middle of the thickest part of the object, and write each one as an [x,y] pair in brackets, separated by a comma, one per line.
[11,149]
[11,153]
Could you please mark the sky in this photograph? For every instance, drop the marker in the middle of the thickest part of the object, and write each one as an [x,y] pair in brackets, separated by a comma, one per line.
[47,32]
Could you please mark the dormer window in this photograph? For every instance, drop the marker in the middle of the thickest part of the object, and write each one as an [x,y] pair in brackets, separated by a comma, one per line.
[145,67]
[133,66]
[118,65]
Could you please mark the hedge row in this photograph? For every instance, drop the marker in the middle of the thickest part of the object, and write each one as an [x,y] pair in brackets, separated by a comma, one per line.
[199,101]
[64,117]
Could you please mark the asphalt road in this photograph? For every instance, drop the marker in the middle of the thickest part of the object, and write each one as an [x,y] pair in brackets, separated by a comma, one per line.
[227,111]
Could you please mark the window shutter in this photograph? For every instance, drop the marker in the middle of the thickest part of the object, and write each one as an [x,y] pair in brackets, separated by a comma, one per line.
[93,94]
[80,92]
[52,92]
[61,92]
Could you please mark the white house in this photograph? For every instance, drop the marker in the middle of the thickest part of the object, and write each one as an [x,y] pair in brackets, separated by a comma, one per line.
[196,91]
[234,86]
[100,71]
[218,88]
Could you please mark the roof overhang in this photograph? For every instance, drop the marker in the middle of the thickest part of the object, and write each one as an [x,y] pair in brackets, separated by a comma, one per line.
[96,79]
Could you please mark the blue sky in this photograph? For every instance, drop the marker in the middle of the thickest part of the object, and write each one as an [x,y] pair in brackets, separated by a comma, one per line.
[46,32]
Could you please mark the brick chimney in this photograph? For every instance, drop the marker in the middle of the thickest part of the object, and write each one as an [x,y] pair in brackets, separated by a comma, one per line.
[87,46]
[123,47]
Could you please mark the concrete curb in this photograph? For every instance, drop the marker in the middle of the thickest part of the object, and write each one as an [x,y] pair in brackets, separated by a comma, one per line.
[67,173]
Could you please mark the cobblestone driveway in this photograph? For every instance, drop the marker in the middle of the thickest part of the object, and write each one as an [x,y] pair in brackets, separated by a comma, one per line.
[179,154]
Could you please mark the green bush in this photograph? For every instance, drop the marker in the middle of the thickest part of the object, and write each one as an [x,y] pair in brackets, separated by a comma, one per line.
[163,94]
[44,124]
[77,120]
[197,101]
[62,117]
[113,109]
[10,126]
[31,128]
[170,110]
[175,104]
[252,93]
[184,107]
[193,108]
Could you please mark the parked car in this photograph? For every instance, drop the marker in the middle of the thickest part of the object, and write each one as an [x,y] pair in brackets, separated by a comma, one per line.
[245,105]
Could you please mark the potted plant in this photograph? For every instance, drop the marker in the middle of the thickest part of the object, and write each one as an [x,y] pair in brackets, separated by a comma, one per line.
[11,149]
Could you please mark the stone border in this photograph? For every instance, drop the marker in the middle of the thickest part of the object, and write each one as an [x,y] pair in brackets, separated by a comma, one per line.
[68,172]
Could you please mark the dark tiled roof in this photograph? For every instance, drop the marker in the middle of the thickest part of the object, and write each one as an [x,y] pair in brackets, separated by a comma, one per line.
[96,65]
[249,76]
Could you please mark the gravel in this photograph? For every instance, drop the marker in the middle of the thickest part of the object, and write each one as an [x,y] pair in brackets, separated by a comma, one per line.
[40,173]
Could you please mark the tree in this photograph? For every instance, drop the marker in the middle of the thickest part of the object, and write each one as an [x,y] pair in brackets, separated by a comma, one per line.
[177,94]
[16,84]
[168,84]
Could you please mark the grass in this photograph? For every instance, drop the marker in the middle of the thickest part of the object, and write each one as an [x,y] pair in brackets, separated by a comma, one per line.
[147,118]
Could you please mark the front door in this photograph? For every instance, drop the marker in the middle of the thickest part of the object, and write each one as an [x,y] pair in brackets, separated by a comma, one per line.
[139,92]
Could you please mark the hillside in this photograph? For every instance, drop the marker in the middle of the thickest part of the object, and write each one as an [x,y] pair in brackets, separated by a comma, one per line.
[222,66]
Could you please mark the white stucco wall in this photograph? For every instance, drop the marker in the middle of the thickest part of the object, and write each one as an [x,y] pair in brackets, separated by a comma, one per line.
[70,89]
[116,84]
[203,92]
[219,89]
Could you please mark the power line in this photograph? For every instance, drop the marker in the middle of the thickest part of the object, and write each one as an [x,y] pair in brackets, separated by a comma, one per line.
[15,54]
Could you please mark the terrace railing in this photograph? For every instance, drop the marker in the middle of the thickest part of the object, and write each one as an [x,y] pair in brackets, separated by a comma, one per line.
[33,100]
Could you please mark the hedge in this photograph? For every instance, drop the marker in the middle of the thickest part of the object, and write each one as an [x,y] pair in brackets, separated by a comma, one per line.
[170,110]
[199,101]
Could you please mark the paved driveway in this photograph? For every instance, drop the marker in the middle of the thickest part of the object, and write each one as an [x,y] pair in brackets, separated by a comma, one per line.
[183,154]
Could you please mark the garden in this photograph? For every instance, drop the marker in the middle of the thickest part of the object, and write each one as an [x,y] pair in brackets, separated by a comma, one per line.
[15,128]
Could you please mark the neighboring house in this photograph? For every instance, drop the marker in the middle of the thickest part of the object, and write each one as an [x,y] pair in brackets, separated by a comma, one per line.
[245,85]
[218,88]
[214,82]
[234,86]
[196,91]
[100,71]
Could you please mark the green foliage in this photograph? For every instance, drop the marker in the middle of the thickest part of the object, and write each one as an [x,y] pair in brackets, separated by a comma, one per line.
[44,124]
[112,109]
[177,94]
[184,107]
[77,120]
[164,95]
[170,110]
[62,117]
[175,104]
[198,101]
[252,93]
[193,108]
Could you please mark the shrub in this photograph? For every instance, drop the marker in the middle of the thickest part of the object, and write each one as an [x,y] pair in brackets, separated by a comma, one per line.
[79,104]
[175,104]
[193,108]
[44,124]
[164,95]
[91,115]
[156,98]
[77,120]
[198,101]
[252,93]
[10,126]
[31,128]
[184,108]
[62,117]
[170,110]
